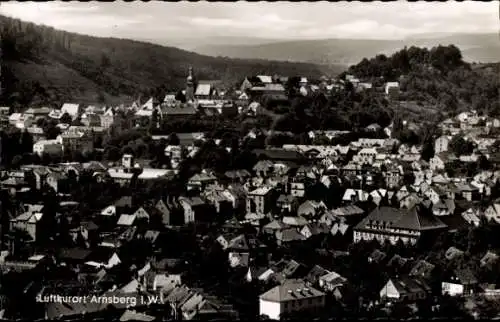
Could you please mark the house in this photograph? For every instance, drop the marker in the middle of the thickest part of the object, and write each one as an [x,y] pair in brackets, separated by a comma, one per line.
[422,269]
[263,168]
[290,296]
[73,256]
[314,229]
[453,253]
[36,132]
[20,121]
[279,154]
[30,222]
[439,161]
[297,189]
[285,202]
[51,147]
[392,89]
[73,110]
[468,191]
[259,200]
[355,195]
[339,227]
[392,176]
[472,216]
[441,144]
[444,207]
[57,180]
[492,213]
[178,112]
[407,225]
[201,181]
[103,257]
[76,141]
[107,119]
[193,208]
[288,235]
[331,282]
[312,278]
[407,288]
[460,282]
[489,259]
[91,119]
[351,213]
[126,220]
[311,208]
[295,221]
[131,315]
[366,156]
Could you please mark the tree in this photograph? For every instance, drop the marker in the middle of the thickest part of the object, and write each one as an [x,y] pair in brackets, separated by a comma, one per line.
[292,86]
[105,61]
[180,97]
[427,151]
[26,142]
[459,146]
[408,178]
[173,139]
[16,161]
[483,163]
[66,119]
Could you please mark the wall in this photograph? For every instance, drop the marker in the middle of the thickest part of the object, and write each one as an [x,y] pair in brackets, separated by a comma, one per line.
[389,291]
[271,309]
[452,289]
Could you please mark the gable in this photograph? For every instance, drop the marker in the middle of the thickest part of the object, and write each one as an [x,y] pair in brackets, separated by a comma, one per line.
[390,290]
[141,213]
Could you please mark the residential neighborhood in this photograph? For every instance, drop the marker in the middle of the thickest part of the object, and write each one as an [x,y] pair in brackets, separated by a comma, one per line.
[249,161]
[333,226]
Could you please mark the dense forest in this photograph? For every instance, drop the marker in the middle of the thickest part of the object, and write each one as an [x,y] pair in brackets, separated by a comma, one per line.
[42,65]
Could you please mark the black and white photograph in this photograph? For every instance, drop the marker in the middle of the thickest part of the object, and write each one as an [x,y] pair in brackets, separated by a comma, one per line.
[258,161]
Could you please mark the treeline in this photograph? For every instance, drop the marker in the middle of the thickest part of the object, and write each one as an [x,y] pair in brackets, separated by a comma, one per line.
[438,77]
[117,66]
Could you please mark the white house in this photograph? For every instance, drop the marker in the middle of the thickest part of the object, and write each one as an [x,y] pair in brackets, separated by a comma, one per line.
[492,213]
[441,144]
[391,88]
[460,282]
[73,110]
[290,296]
[404,289]
[47,147]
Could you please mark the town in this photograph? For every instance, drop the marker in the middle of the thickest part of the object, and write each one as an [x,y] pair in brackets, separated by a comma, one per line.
[204,204]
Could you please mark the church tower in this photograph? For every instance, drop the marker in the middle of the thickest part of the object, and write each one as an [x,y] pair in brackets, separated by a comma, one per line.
[190,86]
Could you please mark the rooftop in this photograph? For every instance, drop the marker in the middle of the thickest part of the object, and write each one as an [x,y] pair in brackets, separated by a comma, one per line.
[291,290]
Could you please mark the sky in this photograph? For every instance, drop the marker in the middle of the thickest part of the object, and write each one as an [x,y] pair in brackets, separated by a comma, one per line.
[273,20]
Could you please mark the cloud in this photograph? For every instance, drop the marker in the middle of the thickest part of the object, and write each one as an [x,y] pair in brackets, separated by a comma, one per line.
[265,23]
[76,17]
[275,20]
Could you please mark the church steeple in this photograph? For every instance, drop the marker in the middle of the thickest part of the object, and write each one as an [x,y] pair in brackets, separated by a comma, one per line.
[190,79]
[190,85]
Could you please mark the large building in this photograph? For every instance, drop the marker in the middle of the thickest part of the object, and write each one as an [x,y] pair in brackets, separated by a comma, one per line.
[290,296]
[393,225]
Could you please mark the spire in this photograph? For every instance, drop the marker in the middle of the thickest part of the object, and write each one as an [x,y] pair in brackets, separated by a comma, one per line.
[190,75]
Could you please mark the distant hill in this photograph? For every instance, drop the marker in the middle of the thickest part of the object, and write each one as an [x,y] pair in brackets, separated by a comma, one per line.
[42,65]
[474,47]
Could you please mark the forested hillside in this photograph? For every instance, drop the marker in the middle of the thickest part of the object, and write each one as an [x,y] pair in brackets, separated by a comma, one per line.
[42,65]
[437,77]
[435,83]
[475,48]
